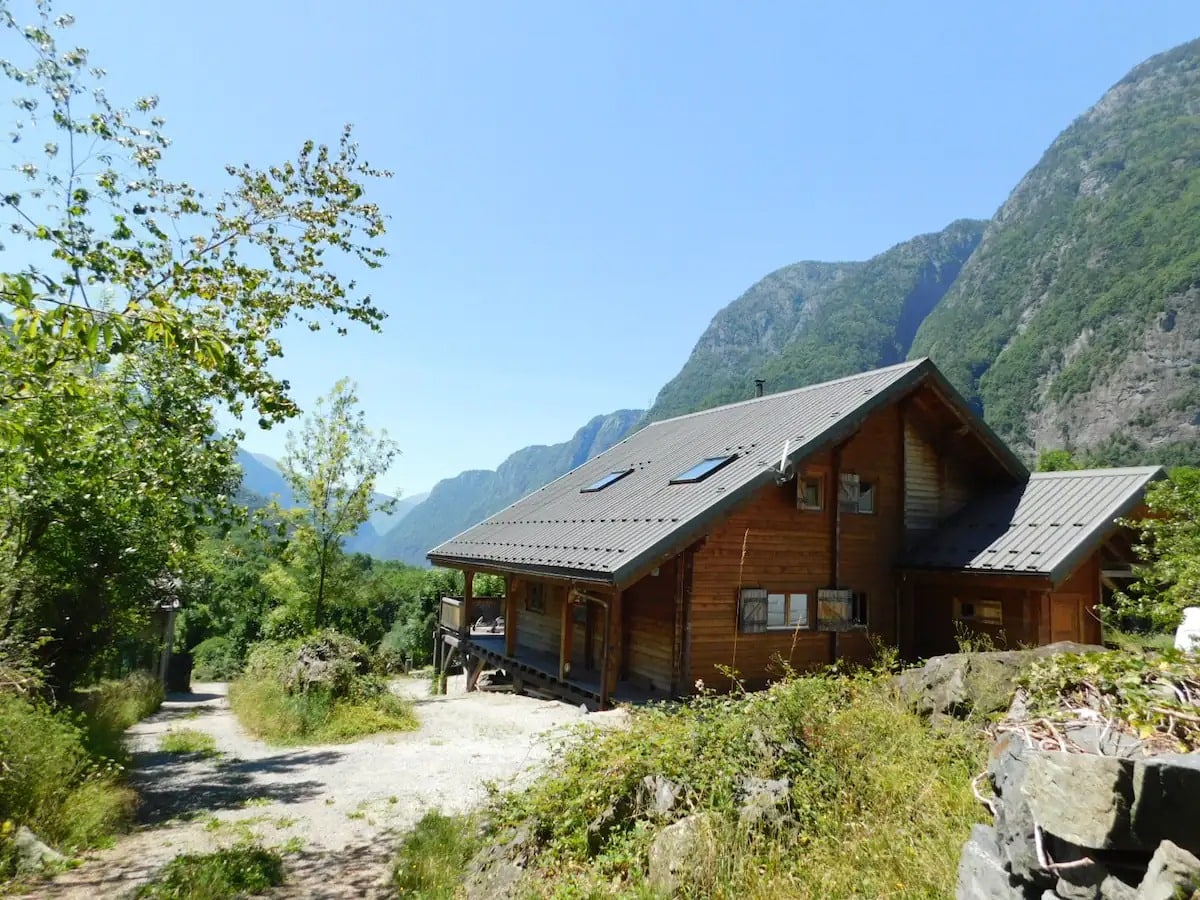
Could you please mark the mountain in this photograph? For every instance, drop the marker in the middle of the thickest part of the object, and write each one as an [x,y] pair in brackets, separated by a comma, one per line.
[813,321]
[1077,321]
[456,503]
[262,480]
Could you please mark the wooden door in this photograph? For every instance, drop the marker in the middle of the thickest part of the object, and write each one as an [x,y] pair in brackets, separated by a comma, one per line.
[1065,611]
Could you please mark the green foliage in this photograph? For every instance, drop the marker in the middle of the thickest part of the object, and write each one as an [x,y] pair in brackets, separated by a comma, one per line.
[1097,242]
[234,872]
[188,740]
[332,467]
[811,322]
[1169,581]
[215,659]
[111,706]
[51,782]
[315,690]
[1058,461]
[429,864]
[1157,695]
[862,770]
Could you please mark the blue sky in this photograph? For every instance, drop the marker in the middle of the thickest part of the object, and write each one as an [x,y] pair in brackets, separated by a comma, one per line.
[580,187]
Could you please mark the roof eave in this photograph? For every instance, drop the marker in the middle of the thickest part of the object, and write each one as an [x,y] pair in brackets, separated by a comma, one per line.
[566,573]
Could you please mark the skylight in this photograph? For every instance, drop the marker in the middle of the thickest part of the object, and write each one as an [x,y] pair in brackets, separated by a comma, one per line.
[604,482]
[703,469]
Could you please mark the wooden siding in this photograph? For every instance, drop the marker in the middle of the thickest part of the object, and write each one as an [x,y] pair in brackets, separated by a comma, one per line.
[936,484]
[648,617]
[771,544]
[540,630]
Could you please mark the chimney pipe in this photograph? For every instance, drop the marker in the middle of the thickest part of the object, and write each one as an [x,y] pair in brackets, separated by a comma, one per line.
[758,386]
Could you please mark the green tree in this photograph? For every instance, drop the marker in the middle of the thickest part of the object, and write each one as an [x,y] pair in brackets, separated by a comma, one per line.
[1057,461]
[1169,580]
[332,466]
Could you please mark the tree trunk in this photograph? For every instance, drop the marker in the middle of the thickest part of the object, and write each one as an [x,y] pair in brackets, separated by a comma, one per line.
[319,609]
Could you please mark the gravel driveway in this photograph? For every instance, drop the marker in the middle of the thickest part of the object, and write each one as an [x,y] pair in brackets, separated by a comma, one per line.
[335,808]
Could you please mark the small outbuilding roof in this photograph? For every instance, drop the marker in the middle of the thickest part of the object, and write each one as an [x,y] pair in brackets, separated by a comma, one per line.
[1044,527]
[658,489]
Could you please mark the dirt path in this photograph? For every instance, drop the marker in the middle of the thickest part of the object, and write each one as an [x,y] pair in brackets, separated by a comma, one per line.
[335,809]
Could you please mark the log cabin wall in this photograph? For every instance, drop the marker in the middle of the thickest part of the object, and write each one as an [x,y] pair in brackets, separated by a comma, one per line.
[770,543]
[539,629]
[1007,609]
[648,620]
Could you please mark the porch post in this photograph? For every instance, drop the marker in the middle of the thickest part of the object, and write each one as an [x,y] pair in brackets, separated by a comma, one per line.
[566,638]
[510,616]
[613,649]
[468,618]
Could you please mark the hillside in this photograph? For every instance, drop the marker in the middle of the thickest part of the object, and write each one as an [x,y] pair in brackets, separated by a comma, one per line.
[1077,321]
[459,502]
[813,321]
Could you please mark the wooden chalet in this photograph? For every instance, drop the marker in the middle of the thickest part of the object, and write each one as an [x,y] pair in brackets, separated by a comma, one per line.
[788,531]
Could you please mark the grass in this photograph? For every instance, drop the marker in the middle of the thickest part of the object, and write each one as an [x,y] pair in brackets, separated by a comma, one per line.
[188,740]
[234,872]
[880,801]
[63,769]
[268,711]
[430,862]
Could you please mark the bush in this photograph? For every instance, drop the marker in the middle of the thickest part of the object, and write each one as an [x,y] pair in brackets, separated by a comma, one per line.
[234,872]
[215,659]
[863,770]
[111,707]
[51,782]
[411,639]
[188,740]
[315,690]
[432,857]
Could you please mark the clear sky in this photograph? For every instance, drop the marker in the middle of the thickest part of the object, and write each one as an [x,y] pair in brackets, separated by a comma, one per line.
[580,186]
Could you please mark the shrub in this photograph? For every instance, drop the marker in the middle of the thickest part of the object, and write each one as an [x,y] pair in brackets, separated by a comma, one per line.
[110,707]
[215,659]
[430,861]
[233,872]
[51,782]
[862,769]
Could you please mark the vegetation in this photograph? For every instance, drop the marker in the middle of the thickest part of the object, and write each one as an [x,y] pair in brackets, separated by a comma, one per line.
[317,690]
[1095,246]
[861,769]
[1169,580]
[332,467]
[238,871]
[430,862]
[188,741]
[811,322]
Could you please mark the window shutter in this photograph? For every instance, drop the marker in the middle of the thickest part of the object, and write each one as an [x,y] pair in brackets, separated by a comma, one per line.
[834,610]
[752,611]
[848,491]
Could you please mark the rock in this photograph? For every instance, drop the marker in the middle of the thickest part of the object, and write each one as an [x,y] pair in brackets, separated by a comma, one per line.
[764,800]
[658,796]
[1115,804]
[982,874]
[32,854]
[1173,873]
[1014,819]
[496,871]
[674,851]
[962,683]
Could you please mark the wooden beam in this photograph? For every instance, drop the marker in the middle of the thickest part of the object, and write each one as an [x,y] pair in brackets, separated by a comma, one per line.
[566,637]
[468,600]
[616,648]
[511,586]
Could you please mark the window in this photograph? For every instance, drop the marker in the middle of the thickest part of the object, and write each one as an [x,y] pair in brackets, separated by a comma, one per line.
[855,495]
[604,482]
[762,611]
[980,611]
[810,492]
[858,610]
[703,469]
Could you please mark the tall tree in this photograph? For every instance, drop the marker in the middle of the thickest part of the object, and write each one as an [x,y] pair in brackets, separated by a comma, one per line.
[332,466]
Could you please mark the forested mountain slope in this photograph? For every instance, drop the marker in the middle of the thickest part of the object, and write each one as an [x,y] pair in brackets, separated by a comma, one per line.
[813,321]
[1077,321]
[456,503]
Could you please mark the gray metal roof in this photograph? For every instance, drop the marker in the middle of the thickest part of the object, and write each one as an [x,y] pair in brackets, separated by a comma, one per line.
[1045,527]
[610,534]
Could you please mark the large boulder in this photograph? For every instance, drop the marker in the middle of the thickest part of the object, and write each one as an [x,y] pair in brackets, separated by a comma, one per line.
[1173,873]
[959,684]
[982,874]
[32,854]
[675,850]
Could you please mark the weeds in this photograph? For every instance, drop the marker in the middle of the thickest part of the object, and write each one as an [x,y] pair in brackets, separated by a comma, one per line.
[432,857]
[188,740]
[268,711]
[237,871]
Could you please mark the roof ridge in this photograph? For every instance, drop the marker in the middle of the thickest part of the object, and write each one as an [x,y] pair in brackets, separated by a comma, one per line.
[1093,473]
[906,365]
